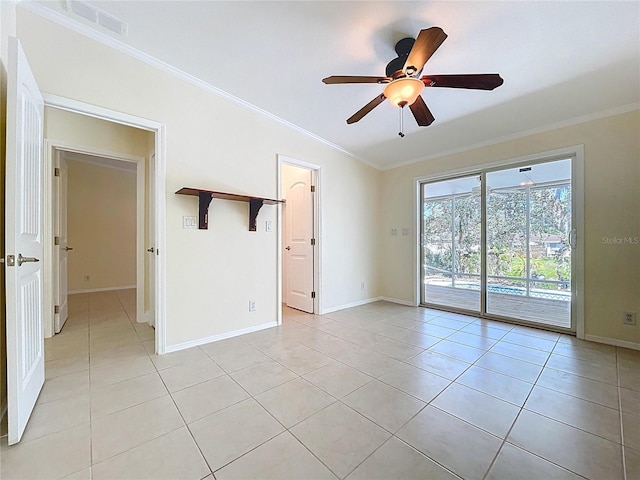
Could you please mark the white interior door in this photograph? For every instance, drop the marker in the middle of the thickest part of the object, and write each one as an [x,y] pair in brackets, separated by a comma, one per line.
[23,230]
[298,237]
[150,283]
[63,249]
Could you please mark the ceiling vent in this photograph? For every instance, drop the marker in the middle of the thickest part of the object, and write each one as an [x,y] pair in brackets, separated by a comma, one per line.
[98,17]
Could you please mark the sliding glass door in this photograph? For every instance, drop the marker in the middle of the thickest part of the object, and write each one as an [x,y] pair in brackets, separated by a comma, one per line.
[521,270]
[528,219]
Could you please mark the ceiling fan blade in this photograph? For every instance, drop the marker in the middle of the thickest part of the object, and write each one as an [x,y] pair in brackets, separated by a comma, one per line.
[480,81]
[421,112]
[366,109]
[426,44]
[336,79]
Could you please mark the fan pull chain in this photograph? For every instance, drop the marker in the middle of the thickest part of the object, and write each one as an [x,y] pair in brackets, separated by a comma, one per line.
[401,121]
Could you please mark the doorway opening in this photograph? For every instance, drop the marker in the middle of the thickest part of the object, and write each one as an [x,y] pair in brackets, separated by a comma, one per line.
[99,229]
[499,242]
[299,234]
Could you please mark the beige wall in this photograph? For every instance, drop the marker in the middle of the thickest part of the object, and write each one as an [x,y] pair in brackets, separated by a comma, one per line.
[83,131]
[612,200]
[101,226]
[216,144]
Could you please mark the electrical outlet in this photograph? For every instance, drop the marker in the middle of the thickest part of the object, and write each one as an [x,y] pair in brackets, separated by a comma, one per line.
[252,305]
[362,286]
[268,226]
[630,318]
[87,278]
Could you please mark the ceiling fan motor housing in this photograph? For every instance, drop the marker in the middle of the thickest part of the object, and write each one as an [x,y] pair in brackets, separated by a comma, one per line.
[395,67]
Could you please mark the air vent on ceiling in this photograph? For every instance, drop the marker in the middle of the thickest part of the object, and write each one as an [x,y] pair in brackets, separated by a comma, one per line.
[97,16]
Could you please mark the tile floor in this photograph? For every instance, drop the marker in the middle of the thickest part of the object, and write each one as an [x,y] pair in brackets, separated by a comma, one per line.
[380,391]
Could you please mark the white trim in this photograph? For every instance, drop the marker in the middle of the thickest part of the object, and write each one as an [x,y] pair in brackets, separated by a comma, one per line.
[525,133]
[48,257]
[351,305]
[278,243]
[95,111]
[613,341]
[399,301]
[121,47]
[222,336]
[576,152]
[577,254]
[113,166]
[105,289]
[417,245]
[316,171]
[160,193]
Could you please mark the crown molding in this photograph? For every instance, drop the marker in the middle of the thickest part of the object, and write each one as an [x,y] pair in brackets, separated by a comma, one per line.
[611,112]
[122,47]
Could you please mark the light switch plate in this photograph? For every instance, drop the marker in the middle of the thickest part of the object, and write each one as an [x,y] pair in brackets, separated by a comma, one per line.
[189,222]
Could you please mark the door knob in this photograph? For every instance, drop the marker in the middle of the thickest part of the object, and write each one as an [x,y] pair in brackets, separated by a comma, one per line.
[22,259]
[68,249]
[288,248]
[151,250]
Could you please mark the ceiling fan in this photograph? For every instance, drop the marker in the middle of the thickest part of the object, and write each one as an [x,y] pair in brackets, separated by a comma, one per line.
[403,83]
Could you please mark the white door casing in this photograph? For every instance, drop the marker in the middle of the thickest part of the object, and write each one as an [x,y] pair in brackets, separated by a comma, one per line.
[23,239]
[158,197]
[299,233]
[61,250]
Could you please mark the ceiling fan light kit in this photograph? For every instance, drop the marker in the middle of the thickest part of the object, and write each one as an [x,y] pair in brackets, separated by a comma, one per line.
[403,91]
[403,84]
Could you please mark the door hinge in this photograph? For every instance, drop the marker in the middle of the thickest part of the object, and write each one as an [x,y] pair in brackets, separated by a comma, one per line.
[56,240]
[56,309]
[313,189]
[56,172]
[313,241]
[313,294]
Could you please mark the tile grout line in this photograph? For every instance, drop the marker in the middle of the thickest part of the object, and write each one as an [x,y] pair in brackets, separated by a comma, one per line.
[622,442]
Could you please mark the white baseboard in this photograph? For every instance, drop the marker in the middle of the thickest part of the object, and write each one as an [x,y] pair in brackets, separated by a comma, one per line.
[398,301]
[107,289]
[222,336]
[613,341]
[350,305]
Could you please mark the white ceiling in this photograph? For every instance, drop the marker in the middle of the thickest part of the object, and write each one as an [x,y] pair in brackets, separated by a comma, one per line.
[560,60]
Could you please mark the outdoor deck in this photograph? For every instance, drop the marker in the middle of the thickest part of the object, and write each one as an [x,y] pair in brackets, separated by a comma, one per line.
[554,313]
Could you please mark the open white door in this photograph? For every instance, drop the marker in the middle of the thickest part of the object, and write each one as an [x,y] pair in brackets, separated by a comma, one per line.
[150,282]
[24,222]
[61,248]
[299,237]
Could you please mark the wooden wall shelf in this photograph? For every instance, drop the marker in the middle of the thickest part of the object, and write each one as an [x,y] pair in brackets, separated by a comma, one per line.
[205,197]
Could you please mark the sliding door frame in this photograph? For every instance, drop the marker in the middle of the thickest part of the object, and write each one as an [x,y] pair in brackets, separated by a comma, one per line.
[576,153]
